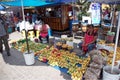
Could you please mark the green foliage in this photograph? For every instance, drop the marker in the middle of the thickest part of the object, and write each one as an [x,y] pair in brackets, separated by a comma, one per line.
[81,2]
[118,7]
[84,7]
[83,13]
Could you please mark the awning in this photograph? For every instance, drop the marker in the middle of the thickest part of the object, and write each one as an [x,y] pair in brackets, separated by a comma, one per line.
[2,7]
[106,1]
[61,1]
[26,3]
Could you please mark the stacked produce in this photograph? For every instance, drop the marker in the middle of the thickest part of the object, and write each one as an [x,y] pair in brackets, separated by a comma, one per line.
[103,42]
[109,55]
[64,40]
[60,45]
[76,65]
[22,46]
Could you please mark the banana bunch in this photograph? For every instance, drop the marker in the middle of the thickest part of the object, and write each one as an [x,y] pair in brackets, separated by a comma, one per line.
[69,47]
[63,64]
[110,56]
[110,44]
[40,58]
[77,75]
[65,60]
[118,49]
[101,42]
[53,63]
[64,46]
[59,44]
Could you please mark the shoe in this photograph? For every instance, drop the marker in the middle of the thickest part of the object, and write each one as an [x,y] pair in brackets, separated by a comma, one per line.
[1,51]
[8,53]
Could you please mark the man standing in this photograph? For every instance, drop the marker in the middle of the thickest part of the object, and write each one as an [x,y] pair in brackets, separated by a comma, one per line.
[4,36]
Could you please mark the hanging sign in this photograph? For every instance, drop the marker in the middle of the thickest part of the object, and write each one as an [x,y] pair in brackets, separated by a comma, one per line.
[95,13]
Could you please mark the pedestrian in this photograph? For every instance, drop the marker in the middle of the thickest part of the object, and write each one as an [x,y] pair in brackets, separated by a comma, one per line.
[4,36]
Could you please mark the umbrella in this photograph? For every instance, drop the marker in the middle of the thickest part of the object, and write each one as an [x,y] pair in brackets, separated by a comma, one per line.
[118,28]
[24,3]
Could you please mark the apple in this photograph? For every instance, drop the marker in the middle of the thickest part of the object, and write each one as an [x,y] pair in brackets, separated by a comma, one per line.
[44,59]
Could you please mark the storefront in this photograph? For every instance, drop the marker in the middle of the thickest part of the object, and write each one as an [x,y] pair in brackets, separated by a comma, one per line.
[56,16]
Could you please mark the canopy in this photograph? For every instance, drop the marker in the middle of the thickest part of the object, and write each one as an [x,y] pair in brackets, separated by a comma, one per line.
[106,1]
[61,1]
[26,3]
[2,7]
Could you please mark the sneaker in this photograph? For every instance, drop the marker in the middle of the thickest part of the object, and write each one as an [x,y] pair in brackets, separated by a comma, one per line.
[8,53]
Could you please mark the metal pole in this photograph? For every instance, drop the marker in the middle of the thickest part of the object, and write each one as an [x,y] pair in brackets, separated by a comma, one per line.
[112,18]
[25,26]
[116,42]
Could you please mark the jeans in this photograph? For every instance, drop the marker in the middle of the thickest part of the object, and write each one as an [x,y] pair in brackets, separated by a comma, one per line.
[89,47]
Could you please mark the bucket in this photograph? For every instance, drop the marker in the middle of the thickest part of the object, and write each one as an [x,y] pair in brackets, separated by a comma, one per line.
[44,40]
[109,38]
[110,76]
[29,58]
[51,40]
[118,64]
[49,32]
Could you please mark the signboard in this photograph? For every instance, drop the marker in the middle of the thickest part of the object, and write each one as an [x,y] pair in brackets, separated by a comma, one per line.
[95,13]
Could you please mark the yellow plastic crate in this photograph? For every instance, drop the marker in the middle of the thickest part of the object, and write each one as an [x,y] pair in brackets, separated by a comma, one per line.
[31,34]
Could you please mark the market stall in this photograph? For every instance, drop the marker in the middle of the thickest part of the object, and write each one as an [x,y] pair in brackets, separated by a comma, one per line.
[56,16]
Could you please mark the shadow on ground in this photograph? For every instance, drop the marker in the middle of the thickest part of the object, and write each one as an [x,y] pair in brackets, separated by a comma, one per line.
[17,58]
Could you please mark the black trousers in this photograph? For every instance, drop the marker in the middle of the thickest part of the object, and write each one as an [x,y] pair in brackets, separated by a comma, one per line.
[4,40]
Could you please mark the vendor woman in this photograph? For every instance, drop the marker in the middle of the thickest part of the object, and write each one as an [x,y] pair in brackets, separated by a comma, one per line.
[44,32]
[89,41]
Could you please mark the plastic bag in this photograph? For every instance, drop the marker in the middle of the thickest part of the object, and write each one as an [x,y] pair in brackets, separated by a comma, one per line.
[97,59]
[96,66]
[96,72]
[94,52]
[90,75]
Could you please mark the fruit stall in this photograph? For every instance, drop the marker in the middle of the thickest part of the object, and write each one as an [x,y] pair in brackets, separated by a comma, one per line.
[62,57]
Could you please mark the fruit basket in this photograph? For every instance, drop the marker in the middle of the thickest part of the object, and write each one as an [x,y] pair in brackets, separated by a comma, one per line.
[64,46]
[59,45]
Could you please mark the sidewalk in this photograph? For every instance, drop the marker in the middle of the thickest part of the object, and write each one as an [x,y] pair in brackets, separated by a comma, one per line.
[14,67]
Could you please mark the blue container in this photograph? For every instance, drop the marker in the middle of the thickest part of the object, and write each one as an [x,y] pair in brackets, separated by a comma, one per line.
[49,32]
[9,30]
